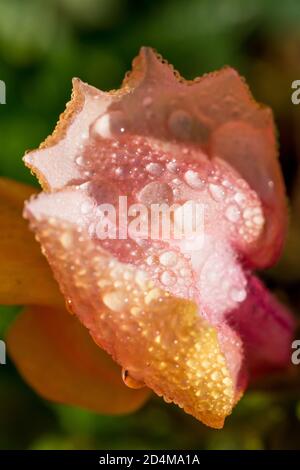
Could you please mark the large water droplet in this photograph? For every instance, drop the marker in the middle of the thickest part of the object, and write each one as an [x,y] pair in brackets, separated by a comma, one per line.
[217,192]
[238,294]
[172,167]
[168,258]
[180,124]
[193,180]
[112,123]
[156,193]
[130,381]
[80,160]
[168,278]
[154,169]
[115,301]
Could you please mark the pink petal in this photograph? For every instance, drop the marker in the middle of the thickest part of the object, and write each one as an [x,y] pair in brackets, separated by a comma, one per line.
[266,328]
[162,307]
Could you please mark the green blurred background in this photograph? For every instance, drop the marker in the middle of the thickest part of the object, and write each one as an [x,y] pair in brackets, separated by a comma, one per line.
[43,44]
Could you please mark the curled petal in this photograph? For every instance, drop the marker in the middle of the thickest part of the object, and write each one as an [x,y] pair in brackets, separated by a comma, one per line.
[162,341]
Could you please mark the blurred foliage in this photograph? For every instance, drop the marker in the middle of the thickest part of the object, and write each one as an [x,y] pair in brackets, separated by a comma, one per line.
[43,44]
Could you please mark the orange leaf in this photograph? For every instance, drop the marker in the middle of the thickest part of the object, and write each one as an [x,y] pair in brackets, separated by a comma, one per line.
[58,358]
[25,277]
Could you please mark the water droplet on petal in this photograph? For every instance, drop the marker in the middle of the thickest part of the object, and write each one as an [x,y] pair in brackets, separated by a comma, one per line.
[258,220]
[172,167]
[156,193]
[150,260]
[86,207]
[120,172]
[112,123]
[180,124]
[66,240]
[240,198]
[232,213]
[193,180]
[153,294]
[114,301]
[147,101]
[238,294]
[154,169]
[168,258]
[215,376]
[130,381]
[80,161]
[217,192]
[168,278]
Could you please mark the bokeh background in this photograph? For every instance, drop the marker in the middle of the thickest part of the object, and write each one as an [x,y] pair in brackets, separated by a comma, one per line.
[43,44]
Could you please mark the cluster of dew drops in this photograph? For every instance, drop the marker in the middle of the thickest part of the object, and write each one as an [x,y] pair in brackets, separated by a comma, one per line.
[153,173]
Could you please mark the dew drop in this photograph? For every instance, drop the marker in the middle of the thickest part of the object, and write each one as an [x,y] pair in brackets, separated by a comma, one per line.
[141,279]
[150,260]
[215,375]
[80,160]
[168,258]
[154,169]
[193,180]
[180,124]
[232,213]
[239,198]
[86,207]
[238,294]
[227,381]
[109,124]
[168,278]
[130,381]
[119,172]
[217,192]
[147,101]
[258,220]
[114,301]
[156,193]
[153,294]
[66,240]
[172,167]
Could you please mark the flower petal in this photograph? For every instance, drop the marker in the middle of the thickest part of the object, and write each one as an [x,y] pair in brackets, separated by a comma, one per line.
[25,277]
[266,328]
[162,140]
[58,358]
[222,117]
[216,113]
[162,341]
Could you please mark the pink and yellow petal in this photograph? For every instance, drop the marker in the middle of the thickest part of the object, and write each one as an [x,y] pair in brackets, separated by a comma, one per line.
[162,341]
[174,337]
